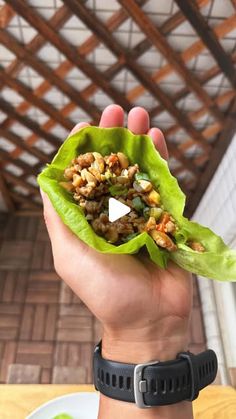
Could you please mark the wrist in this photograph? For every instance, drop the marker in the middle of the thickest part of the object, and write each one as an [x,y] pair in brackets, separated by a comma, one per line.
[140,347]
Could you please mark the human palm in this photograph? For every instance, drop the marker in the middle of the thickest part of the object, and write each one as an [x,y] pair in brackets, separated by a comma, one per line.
[125,292]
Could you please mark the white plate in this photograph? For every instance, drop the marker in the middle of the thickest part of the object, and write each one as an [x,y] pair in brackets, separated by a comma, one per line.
[78,405]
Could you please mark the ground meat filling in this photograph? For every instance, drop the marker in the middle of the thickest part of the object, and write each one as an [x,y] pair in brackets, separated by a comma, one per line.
[93,179]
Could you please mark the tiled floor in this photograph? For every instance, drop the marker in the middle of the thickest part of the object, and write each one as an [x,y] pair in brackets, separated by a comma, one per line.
[43,325]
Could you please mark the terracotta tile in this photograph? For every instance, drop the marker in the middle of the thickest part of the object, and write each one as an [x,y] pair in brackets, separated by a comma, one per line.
[20,287]
[8,334]
[39,275]
[68,375]
[9,355]
[51,321]
[21,226]
[23,374]
[9,321]
[66,295]
[75,322]
[73,355]
[15,255]
[97,330]
[32,227]
[86,360]
[46,376]
[35,347]
[232,374]
[39,324]
[75,335]
[47,258]
[37,256]
[13,308]
[35,353]
[10,228]
[42,292]
[9,288]
[2,346]
[42,234]
[61,354]
[74,310]
[3,275]
[27,322]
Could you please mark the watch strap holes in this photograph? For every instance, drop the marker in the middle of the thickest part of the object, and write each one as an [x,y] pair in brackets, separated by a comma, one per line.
[107,379]
[171,385]
[121,382]
[102,377]
[128,383]
[113,380]
[177,384]
[154,386]
[163,386]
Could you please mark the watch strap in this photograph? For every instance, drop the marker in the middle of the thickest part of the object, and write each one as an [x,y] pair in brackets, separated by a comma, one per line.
[157,383]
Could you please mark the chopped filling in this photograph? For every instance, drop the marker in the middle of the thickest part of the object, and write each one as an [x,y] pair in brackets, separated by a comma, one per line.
[93,179]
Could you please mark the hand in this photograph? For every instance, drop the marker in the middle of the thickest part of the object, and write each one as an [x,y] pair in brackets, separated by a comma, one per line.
[144,309]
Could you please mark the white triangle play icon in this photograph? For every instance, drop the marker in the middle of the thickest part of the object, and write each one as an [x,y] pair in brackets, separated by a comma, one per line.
[116,209]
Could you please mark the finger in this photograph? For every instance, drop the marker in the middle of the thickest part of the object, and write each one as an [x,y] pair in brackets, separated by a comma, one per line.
[159,142]
[138,120]
[78,126]
[112,116]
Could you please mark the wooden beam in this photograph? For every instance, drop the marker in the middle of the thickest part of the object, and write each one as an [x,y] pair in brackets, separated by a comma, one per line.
[17,181]
[27,170]
[68,50]
[87,47]
[29,123]
[195,115]
[6,15]
[57,21]
[102,32]
[220,30]
[10,42]
[15,139]
[215,158]
[210,74]
[6,195]
[42,104]
[159,41]
[25,201]
[203,29]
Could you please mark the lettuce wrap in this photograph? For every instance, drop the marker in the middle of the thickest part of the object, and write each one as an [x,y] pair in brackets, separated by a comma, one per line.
[218,261]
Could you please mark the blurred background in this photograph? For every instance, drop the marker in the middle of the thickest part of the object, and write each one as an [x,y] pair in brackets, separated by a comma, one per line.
[62,63]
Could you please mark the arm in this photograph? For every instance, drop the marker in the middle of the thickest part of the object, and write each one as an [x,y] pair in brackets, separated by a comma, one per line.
[144,310]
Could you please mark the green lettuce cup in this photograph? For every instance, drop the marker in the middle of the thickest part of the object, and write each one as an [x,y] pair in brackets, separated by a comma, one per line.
[218,261]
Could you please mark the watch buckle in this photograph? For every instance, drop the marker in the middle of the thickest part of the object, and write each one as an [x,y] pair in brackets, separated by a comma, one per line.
[140,385]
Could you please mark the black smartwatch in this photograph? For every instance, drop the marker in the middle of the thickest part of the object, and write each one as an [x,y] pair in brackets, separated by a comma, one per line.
[155,383]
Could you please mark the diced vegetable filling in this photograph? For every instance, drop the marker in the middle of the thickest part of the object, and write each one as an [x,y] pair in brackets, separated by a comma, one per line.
[93,179]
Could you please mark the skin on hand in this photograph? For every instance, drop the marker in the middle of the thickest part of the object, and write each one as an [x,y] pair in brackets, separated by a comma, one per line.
[144,309]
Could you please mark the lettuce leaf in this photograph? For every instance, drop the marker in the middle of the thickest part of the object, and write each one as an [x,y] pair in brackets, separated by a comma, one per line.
[217,262]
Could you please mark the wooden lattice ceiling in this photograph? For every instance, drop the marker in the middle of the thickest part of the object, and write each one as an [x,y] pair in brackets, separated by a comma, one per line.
[62,62]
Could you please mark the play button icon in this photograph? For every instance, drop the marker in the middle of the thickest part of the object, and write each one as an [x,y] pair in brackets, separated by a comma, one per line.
[117,209]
